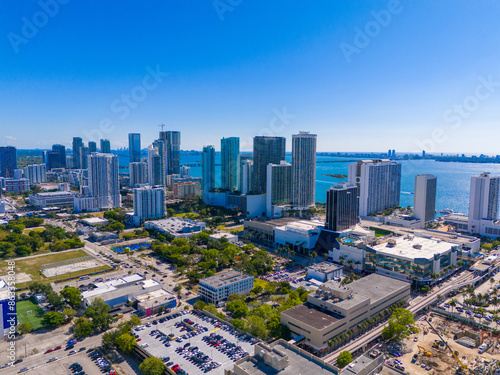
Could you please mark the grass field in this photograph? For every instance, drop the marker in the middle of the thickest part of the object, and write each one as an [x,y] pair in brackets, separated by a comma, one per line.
[34,317]
[32,266]
[259,282]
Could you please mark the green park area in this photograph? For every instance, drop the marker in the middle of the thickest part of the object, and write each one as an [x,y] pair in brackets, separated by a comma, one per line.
[32,266]
[29,312]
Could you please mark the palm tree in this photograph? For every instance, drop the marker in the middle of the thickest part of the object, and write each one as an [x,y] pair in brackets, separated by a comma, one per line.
[453,304]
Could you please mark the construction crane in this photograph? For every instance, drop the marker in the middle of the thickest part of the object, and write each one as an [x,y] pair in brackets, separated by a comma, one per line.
[462,366]
[425,351]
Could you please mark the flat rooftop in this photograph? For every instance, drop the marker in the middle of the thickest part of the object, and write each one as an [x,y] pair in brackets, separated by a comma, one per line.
[53,194]
[298,364]
[411,247]
[444,236]
[377,286]
[224,278]
[314,317]
[282,221]
[324,267]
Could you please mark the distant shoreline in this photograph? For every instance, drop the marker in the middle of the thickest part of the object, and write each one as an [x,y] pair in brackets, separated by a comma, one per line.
[337,176]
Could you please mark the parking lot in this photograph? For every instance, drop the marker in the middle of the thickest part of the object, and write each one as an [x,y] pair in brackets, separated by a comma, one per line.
[61,366]
[206,353]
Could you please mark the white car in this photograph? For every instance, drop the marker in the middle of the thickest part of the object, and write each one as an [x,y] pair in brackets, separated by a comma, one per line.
[145,345]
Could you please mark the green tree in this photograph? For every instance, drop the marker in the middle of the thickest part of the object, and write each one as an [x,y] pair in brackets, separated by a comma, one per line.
[83,327]
[238,308]
[256,326]
[52,319]
[98,312]
[125,342]
[199,305]
[72,295]
[135,320]
[24,328]
[69,314]
[344,359]
[399,325]
[240,324]
[108,338]
[152,366]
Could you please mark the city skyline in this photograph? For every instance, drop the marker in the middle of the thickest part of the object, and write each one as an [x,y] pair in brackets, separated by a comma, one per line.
[330,68]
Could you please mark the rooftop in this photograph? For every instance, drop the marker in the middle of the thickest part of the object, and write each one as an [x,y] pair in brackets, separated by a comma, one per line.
[314,317]
[324,267]
[52,193]
[175,224]
[224,279]
[377,286]
[411,247]
[156,297]
[299,362]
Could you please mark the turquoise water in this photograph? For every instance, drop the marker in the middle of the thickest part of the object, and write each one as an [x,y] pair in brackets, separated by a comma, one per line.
[453,179]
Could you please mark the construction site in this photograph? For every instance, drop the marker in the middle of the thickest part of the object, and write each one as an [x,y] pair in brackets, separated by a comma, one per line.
[449,346]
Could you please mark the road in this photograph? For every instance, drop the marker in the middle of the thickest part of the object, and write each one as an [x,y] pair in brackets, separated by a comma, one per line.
[416,305]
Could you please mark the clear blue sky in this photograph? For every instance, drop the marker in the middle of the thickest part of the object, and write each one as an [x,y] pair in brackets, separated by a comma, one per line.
[232,68]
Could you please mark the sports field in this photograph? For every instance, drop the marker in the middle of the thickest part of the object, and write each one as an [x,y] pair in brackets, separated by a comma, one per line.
[28,312]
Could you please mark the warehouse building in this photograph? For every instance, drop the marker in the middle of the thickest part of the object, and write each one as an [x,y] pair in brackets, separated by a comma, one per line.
[118,291]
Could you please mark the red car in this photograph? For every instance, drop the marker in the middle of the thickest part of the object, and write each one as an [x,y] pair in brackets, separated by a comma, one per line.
[49,351]
[175,368]
[57,347]
[138,340]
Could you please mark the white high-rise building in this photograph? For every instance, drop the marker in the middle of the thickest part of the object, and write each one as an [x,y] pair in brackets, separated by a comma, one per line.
[103,180]
[379,183]
[303,169]
[138,173]
[185,171]
[149,204]
[483,204]
[36,174]
[424,203]
[246,176]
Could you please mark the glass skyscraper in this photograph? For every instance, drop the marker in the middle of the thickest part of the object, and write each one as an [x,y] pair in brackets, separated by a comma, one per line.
[172,141]
[105,146]
[8,161]
[208,171]
[230,152]
[266,150]
[77,152]
[134,147]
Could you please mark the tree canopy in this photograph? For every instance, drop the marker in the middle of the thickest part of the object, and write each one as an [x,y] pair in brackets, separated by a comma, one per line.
[399,325]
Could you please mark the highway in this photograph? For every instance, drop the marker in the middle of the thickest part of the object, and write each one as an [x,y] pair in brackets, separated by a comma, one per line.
[416,305]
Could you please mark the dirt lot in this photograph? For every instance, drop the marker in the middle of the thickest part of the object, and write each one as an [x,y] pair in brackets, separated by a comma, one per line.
[441,361]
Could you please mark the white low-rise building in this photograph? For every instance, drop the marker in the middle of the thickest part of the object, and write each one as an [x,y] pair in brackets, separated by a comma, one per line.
[176,226]
[232,238]
[324,271]
[301,235]
[217,289]
[52,199]
[117,292]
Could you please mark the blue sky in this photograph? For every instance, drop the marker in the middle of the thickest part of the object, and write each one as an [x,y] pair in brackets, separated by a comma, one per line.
[416,75]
